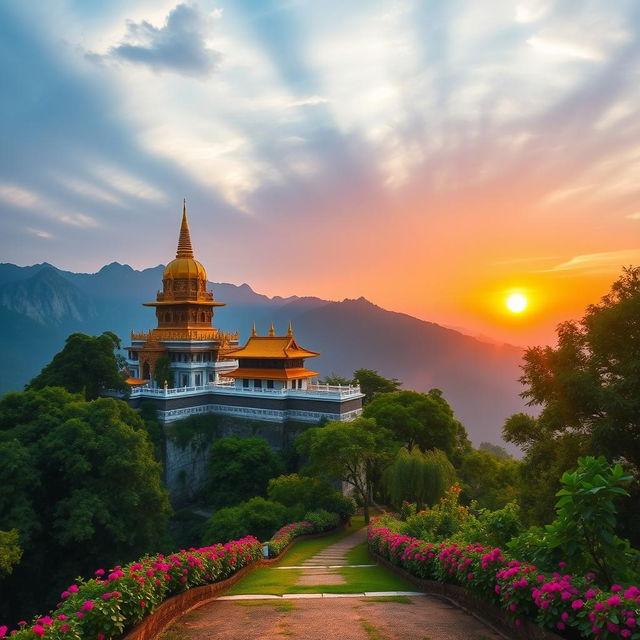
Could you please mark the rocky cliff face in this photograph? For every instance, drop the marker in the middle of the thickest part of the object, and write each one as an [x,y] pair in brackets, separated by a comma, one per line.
[47,298]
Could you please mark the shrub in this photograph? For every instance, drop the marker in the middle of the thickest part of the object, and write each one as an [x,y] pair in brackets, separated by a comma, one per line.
[257,517]
[322,520]
[494,528]
[441,522]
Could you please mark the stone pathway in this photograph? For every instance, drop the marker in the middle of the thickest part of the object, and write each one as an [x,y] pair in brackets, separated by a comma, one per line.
[406,615]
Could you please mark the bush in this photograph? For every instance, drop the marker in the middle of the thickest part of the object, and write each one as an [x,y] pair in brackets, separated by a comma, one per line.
[305,493]
[257,517]
[495,528]
[441,522]
[322,520]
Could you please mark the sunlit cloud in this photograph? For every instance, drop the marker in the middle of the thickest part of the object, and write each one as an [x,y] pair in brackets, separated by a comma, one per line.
[125,183]
[592,263]
[45,235]
[89,190]
[560,48]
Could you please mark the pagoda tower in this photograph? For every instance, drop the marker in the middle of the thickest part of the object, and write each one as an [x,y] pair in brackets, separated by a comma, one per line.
[185,331]
[271,362]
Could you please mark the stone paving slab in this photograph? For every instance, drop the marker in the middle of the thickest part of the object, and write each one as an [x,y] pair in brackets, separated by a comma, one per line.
[330,566]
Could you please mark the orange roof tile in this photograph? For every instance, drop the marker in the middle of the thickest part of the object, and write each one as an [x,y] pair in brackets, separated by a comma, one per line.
[272,347]
[271,374]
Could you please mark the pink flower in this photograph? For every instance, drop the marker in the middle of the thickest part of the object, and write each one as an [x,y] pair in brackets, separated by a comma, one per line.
[65,627]
[143,603]
[65,594]
[630,622]
[564,616]
[625,633]
[61,617]
[3,631]
[100,572]
[73,588]
[589,594]
[22,623]
[577,604]
[38,630]
[613,601]
[45,620]
[615,588]
[101,636]
[87,606]
[560,625]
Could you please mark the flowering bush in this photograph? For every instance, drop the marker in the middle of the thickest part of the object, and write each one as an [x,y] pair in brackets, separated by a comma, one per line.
[103,607]
[285,535]
[560,602]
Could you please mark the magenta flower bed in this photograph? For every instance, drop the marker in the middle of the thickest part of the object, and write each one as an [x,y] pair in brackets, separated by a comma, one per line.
[560,602]
[105,606]
[285,535]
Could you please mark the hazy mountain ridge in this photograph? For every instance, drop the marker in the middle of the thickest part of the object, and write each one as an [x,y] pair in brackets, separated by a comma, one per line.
[478,378]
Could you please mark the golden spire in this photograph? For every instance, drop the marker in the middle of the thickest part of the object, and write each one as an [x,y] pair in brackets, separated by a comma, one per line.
[290,329]
[272,330]
[185,250]
[254,331]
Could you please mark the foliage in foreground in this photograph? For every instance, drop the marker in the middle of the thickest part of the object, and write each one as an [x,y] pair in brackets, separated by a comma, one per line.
[587,389]
[79,481]
[104,607]
[559,601]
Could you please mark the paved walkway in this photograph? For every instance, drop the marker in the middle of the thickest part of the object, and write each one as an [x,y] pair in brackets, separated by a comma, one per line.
[317,616]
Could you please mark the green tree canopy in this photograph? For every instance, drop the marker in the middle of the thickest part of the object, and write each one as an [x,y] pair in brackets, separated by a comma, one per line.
[86,364]
[10,551]
[587,389]
[373,384]
[348,451]
[240,468]
[424,420]
[79,481]
[491,480]
[419,477]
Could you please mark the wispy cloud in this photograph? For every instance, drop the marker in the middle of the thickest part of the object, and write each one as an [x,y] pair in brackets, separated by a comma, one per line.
[592,263]
[45,235]
[179,46]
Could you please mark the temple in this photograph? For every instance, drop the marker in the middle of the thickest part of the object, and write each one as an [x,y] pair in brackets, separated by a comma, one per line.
[186,366]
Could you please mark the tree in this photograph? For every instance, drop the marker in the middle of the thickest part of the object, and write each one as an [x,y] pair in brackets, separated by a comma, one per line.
[337,380]
[86,364]
[419,477]
[10,551]
[587,388]
[163,372]
[348,451]
[372,384]
[492,481]
[79,481]
[495,450]
[424,420]
[240,468]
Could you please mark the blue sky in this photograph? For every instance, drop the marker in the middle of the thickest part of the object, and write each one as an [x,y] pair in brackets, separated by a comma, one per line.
[411,152]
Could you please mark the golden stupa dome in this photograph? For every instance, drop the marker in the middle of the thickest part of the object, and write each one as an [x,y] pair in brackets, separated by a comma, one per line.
[185,266]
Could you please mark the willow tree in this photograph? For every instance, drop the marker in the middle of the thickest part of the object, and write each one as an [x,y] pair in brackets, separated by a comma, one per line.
[419,477]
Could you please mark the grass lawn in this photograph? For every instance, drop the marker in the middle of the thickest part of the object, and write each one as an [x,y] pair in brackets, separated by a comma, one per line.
[359,555]
[268,580]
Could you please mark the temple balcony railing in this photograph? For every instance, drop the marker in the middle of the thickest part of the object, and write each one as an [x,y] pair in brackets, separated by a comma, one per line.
[185,335]
[322,391]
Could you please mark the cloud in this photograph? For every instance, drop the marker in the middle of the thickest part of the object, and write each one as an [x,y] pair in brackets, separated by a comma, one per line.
[39,233]
[20,197]
[180,46]
[593,263]
[634,216]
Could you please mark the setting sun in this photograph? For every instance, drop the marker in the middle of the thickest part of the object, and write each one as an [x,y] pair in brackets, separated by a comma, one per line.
[516,303]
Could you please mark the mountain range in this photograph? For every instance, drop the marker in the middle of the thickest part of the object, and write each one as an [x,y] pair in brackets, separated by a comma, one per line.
[41,305]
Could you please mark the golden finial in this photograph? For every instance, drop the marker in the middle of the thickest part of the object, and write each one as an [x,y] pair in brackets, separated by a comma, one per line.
[272,330]
[254,331]
[185,250]
[290,329]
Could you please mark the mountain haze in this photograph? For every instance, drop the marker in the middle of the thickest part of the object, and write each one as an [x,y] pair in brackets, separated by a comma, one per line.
[40,305]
